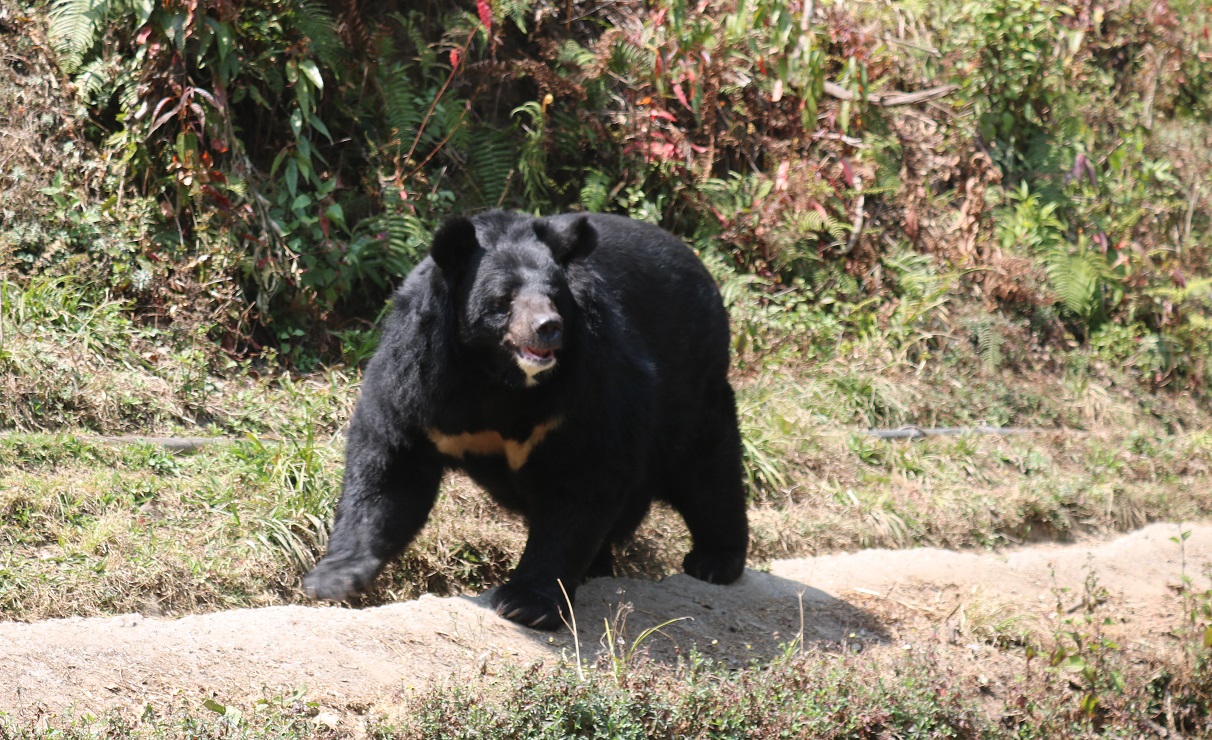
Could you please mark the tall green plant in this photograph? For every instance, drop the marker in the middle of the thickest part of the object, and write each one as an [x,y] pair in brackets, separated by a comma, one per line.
[1015,76]
[1088,284]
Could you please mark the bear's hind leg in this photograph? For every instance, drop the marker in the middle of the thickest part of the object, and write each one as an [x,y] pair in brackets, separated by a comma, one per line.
[706,488]
[602,565]
[625,526]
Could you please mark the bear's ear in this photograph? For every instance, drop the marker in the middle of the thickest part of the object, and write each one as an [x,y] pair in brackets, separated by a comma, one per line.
[454,244]
[570,240]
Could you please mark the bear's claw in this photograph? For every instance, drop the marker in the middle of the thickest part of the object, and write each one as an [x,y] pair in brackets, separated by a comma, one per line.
[527,607]
[714,566]
[337,581]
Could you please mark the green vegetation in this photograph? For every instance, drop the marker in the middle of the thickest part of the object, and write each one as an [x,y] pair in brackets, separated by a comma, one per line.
[834,696]
[90,529]
[204,205]
[258,175]
[818,694]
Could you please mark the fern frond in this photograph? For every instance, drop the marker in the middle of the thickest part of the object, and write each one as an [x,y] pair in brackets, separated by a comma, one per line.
[317,24]
[809,222]
[492,160]
[75,26]
[1076,278]
[596,192]
[573,53]
[989,342]
[400,106]
[413,25]
[127,85]
[91,81]
[515,10]
[1198,288]
[446,124]
[627,57]
[407,241]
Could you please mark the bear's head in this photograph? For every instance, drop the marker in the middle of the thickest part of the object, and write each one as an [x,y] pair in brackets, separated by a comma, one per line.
[507,277]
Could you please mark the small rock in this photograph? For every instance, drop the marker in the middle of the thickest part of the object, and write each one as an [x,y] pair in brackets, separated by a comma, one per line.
[328,719]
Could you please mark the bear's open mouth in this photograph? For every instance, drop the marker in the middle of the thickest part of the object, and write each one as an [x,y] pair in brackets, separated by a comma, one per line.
[536,355]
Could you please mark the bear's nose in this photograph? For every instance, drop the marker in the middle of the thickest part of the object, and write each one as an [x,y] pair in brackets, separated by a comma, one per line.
[549,329]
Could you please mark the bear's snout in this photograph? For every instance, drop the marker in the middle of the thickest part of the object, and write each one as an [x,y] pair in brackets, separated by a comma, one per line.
[535,323]
[549,328]
[536,332]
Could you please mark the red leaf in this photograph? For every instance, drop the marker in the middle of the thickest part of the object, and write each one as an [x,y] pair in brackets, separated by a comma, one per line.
[221,200]
[663,114]
[484,9]
[143,35]
[681,96]
[454,58]
[780,177]
[847,173]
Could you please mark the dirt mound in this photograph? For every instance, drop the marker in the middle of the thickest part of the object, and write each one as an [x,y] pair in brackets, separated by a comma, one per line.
[354,659]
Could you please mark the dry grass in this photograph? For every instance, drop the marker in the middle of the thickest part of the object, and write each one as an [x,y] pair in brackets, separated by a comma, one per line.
[40,135]
[76,361]
[97,530]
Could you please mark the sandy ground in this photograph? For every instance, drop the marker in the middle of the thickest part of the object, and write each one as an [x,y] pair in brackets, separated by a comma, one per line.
[356,660]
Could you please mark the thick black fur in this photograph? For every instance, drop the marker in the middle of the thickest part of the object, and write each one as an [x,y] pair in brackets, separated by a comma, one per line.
[640,388]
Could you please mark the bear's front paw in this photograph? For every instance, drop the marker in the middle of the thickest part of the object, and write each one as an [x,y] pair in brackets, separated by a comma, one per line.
[715,566]
[336,580]
[529,607]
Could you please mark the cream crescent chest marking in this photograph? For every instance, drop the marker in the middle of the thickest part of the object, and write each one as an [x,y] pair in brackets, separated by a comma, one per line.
[492,443]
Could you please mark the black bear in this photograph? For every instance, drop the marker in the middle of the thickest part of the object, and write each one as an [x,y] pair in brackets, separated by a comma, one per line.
[575,367]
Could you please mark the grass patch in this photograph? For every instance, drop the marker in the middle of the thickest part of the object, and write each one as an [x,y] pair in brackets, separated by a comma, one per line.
[900,693]
[90,529]
[817,696]
[72,358]
[1069,681]
[270,717]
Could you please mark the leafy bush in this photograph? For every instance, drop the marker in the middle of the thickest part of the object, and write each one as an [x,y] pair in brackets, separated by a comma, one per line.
[308,150]
[1016,79]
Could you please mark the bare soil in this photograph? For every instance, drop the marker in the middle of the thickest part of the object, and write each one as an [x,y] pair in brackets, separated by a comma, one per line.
[351,661]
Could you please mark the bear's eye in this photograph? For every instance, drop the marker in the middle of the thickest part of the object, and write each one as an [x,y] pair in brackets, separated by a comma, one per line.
[501,304]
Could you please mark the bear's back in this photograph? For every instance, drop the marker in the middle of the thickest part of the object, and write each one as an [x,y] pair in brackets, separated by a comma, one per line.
[666,294]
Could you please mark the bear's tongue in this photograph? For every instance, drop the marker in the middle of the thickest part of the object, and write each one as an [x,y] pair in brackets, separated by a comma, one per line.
[538,354]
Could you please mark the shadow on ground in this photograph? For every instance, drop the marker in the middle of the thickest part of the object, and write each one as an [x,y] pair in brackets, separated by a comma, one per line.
[752,620]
